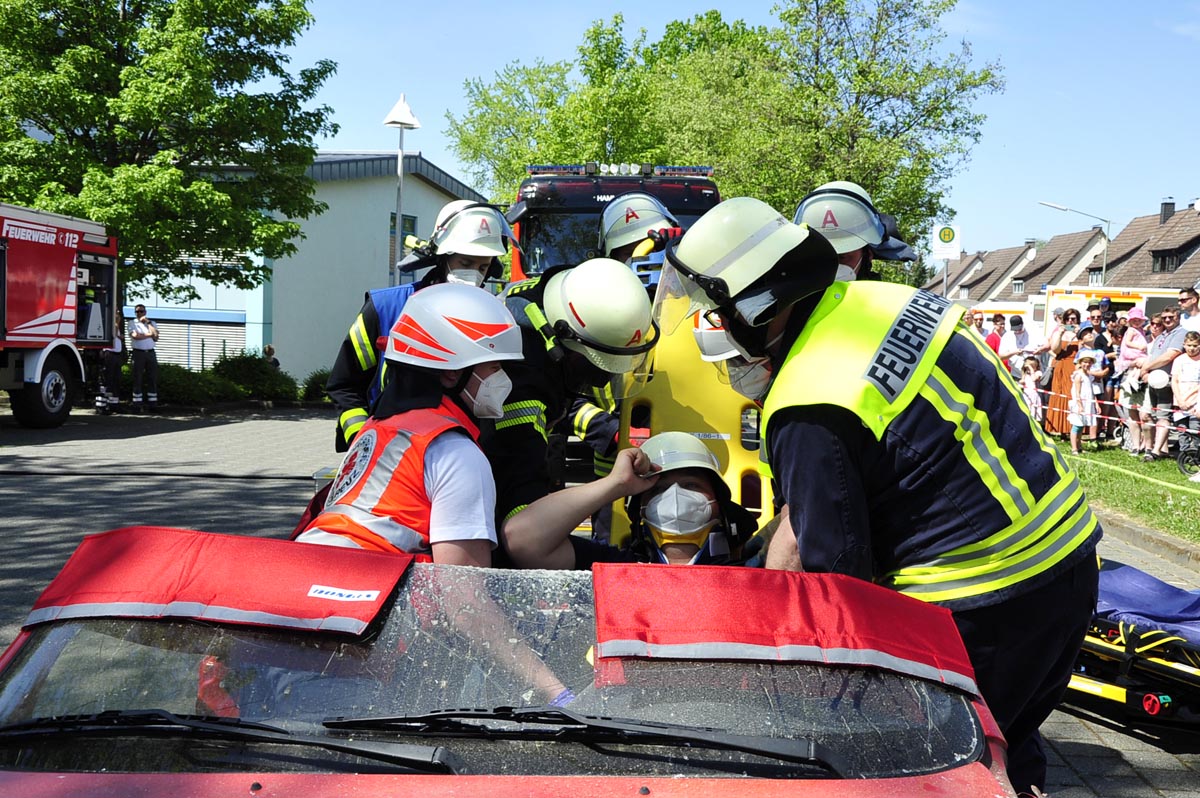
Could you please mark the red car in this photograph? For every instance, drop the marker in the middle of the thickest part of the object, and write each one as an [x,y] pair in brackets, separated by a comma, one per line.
[171,662]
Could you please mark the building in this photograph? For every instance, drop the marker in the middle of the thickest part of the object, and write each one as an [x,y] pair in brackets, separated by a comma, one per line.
[313,296]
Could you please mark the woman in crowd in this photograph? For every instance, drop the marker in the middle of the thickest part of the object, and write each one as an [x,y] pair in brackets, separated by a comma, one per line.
[1064,346]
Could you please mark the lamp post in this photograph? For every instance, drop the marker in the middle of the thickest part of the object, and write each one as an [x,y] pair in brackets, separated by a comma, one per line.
[1104,261]
[402,118]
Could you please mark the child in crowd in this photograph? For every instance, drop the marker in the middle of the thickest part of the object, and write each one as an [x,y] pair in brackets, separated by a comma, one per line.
[1185,385]
[1031,379]
[1081,409]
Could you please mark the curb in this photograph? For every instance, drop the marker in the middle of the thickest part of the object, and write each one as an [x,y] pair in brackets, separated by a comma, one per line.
[1180,552]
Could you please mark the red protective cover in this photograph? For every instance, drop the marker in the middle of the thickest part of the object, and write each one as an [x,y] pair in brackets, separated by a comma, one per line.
[750,613]
[155,572]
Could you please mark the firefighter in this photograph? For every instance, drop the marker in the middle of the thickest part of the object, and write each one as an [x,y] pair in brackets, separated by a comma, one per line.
[905,455]
[585,328]
[415,479]
[626,222]
[843,213]
[684,514]
[468,238]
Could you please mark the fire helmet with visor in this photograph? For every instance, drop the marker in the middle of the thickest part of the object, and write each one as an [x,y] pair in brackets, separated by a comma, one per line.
[629,218]
[600,310]
[844,213]
[745,260]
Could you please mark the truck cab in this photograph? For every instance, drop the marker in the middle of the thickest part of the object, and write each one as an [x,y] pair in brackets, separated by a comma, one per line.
[556,215]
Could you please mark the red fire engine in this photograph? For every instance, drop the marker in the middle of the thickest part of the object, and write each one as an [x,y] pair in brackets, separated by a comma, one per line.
[58,303]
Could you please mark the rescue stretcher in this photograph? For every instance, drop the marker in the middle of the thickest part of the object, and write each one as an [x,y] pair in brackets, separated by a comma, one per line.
[1141,656]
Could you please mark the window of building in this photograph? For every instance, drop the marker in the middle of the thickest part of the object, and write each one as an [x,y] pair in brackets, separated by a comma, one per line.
[1095,277]
[1165,262]
[1018,286]
[963,293]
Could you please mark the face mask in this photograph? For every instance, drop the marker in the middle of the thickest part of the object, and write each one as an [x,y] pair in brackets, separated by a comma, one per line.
[750,378]
[488,400]
[845,274]
[680,515]
[465,277]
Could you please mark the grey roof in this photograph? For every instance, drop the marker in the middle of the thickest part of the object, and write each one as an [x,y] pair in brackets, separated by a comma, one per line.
[996,264]
[1050,263]
[955,270]
[1179,235]
[352,165]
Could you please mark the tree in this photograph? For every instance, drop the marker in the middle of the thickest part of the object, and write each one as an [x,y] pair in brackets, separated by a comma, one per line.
[174,122]
[861,90]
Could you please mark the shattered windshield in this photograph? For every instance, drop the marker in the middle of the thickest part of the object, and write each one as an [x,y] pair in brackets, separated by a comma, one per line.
[478,638]
[553,237]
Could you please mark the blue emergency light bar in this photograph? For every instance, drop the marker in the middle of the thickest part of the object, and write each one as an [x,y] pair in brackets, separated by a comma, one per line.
[557,169]
[683,171]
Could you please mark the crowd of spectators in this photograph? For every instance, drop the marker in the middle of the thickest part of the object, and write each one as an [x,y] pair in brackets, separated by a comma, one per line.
[1100,371]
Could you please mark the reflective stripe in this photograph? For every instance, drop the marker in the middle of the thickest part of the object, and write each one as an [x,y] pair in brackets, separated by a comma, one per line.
[375,486]
[515,510]
[972,430]
[786,653]
[190,609]
[1029,551]
[1044,443]
[734,255]
[1063,499]
[397,534]
[584,417]
[602,466]
[530,412]
[322,538]
[352,422]
[364,347]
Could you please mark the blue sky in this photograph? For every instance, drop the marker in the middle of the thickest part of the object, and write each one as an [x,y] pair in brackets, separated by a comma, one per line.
[1098,113]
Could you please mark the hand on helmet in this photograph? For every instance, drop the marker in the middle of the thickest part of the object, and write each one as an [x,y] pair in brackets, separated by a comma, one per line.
[664,236]
[633,471]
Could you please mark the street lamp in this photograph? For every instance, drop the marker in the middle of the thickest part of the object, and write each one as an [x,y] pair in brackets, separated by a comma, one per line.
[1104,261]
[402,118]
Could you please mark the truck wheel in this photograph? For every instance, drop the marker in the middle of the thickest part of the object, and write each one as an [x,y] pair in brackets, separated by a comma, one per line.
[48,403]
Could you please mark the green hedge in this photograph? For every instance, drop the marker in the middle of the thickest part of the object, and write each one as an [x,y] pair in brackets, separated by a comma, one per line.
[232,378]
[314,386]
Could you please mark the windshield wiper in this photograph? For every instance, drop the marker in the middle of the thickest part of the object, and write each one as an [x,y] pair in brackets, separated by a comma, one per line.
[565,724]
[426,758]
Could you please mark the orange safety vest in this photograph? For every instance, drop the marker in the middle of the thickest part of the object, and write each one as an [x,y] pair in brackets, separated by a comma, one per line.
[378,500]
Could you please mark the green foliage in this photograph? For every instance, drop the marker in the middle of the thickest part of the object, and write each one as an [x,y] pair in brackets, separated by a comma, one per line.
[314,386]
[862,90]
[179,386]
[155,119]
[257,377]
[1153,495]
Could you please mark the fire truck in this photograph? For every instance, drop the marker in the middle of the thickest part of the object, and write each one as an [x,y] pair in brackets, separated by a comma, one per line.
[58,304]
[556,216]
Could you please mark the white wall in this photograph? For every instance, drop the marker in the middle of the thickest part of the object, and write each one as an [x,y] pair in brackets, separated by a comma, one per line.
[314,296]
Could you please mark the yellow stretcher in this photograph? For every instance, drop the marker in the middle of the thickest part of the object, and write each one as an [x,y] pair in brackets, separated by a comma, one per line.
[1141,655]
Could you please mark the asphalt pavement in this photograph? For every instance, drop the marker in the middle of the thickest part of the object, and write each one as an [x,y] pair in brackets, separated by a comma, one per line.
[250,472]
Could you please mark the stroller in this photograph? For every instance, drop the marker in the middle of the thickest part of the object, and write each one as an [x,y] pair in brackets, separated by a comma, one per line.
[1141,656]
[1189,453]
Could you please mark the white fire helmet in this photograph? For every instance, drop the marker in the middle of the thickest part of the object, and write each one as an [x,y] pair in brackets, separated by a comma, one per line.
[464,227]
[453,326]
[600,310]
[842,212]
[629,218]
[720,260]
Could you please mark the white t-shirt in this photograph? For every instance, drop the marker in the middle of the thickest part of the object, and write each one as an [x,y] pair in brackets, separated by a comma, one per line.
[462,493]
[142,328]
[1025,343]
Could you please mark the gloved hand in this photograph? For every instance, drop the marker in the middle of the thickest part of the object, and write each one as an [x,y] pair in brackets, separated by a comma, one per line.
[663,236]
[563,698]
